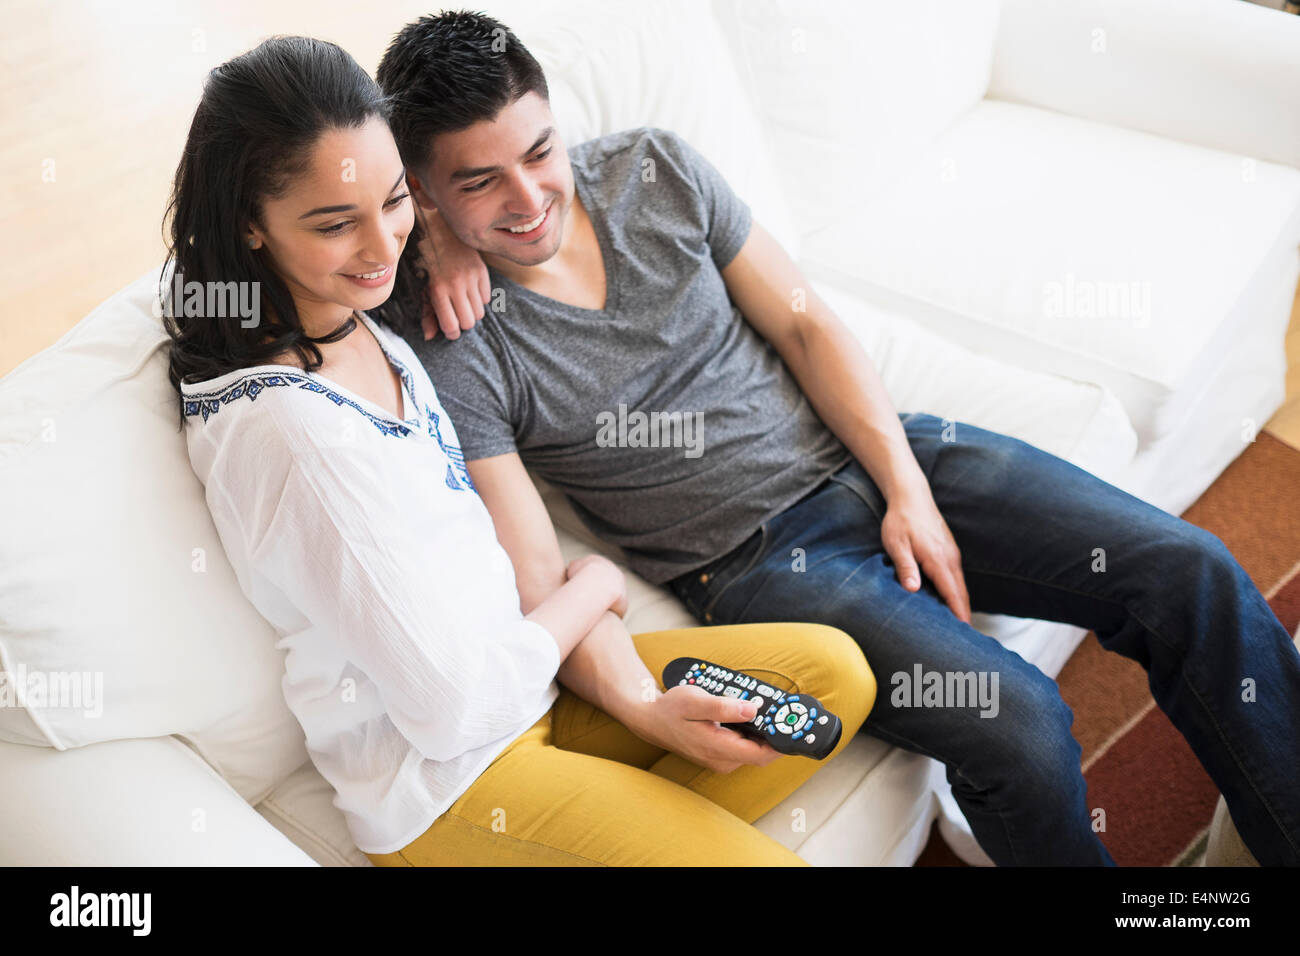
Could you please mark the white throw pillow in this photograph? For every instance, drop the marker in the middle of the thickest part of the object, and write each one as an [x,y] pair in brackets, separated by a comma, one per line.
[115,579]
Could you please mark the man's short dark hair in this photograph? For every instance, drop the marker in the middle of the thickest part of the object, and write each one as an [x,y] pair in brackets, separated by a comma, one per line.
[447,72]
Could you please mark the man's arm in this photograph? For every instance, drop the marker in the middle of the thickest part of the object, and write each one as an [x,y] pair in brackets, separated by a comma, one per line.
[605,669]
[844,389]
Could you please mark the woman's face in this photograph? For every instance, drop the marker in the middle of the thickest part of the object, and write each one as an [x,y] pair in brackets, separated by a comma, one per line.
[336,234]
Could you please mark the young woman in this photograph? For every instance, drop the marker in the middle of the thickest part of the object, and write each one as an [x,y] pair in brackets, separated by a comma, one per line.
[335,480]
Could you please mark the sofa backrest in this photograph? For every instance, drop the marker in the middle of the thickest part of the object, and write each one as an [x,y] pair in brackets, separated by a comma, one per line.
[849,91]
[614,66]
[1218,73]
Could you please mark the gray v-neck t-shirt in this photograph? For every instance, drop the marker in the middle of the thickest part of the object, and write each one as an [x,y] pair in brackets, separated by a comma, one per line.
[670,424]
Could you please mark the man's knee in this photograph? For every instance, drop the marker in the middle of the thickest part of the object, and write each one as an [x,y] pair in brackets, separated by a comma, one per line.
[1030,740]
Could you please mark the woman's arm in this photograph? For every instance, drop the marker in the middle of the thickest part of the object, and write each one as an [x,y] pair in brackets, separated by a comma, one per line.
[454,669]
[595,587]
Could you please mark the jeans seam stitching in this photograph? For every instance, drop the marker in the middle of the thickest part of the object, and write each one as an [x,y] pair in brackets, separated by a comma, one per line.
[707,609]
[1281,824]
[1068,590]
[925,751]
[1214,721]
[863,498]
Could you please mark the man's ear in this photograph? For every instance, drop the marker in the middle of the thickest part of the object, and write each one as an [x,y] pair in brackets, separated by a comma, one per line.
[418,192]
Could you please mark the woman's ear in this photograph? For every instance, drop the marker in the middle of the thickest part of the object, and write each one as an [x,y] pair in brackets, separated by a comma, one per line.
[254,236]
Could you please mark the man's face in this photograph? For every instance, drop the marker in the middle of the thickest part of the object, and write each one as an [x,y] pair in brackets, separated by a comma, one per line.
[510,171]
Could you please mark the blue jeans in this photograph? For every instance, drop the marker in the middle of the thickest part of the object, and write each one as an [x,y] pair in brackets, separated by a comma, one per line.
[1039,538]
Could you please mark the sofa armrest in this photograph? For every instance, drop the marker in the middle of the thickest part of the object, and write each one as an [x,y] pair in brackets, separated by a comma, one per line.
[1217,73]
[138,802]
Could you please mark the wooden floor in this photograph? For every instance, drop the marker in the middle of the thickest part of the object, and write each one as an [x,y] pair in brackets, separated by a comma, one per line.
[96,100]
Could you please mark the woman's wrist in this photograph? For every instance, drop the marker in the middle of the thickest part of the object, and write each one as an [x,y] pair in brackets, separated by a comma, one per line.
[608,581]
[439,239]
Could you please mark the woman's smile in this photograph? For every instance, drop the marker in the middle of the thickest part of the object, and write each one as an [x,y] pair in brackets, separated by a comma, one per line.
[372,279]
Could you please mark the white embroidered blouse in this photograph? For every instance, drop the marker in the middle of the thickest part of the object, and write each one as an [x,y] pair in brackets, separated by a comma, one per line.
[361,539]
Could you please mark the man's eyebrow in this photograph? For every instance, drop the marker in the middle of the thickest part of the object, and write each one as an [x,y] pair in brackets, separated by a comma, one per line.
[475,171]
[350,206]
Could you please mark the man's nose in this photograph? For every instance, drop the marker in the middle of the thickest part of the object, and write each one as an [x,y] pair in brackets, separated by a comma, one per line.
[526,196]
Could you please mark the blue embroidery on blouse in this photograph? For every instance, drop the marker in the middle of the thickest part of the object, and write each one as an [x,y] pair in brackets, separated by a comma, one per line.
[209,403]
[453,452]
[251,384]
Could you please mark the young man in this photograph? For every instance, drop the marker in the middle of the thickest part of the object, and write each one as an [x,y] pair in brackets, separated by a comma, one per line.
[783,486]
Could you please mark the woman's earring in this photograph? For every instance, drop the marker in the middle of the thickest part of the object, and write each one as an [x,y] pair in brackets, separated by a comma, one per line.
[252,242]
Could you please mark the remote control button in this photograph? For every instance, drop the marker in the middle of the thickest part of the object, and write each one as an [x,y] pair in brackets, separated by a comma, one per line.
[812,714]
[681,682]
[799,724]
[697,667]
[744,695]
[798,708]
[771,730]
[783,727]
[781,714]
[797,735]
[691,681]
[732,692]
[765,690]
[822,719]
[810,738]
[794,698]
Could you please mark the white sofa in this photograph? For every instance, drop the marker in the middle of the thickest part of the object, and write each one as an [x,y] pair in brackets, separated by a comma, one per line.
[959,182]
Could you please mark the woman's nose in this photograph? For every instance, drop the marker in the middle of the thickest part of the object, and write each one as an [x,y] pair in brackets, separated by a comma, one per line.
[381,245]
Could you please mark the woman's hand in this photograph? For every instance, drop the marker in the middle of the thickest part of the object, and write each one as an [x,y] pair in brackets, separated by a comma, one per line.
[458,279]
[687,721]
[610,570]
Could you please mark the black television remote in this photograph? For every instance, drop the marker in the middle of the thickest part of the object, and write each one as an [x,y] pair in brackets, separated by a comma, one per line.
[788,723]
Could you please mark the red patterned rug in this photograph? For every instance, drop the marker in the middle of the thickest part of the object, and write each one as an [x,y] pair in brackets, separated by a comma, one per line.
[1159,800]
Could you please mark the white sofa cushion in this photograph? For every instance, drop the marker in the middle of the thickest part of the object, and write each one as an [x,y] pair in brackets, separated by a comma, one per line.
[1065,245]
[143,802]
[849,91]
[113,568]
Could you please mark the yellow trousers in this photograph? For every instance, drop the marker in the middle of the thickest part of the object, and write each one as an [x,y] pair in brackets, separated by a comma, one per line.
[580,789]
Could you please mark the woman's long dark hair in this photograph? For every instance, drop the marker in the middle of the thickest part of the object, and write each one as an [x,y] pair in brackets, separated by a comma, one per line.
[259,117]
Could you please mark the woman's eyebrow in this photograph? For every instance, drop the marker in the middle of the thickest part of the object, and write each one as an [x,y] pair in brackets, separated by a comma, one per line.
[324,209]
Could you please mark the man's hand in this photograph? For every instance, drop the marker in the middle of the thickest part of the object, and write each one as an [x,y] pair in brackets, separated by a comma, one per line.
[458,279]
[686,721]
[913,530]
